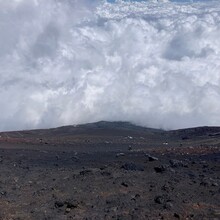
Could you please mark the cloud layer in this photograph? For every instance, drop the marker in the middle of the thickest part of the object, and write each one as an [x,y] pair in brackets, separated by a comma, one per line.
[78,61]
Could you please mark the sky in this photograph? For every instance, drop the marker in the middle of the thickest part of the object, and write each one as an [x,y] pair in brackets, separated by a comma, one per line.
[183,1]
[70,62]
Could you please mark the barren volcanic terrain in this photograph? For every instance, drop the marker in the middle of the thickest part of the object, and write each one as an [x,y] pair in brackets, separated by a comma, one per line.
[110,170]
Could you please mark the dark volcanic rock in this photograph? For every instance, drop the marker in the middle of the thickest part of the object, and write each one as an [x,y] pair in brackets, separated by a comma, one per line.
[176,215]
[159,199]
[207,182]
[71,204]
[177,163]
[124,184]
[162,168]
[120,155]
[3,193]
[58,204]
[105,173]
[167,188]
[151,158]
[162,199]
[185,138]
[130,148]
[132,167]
[85,172]
[168,205]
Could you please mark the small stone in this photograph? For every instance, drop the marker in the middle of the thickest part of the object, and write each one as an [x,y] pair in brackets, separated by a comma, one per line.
[214,184]
[103,167]
[3,193]
[85,172]
[205,183]
[130,148]
[176,215]
[177,163]
[137,195]
[151,158]
[75,158]
[71,204]
[159,199]
[124,184]
[105,173]
[120,155]
[168,205]
[161,169]
[68,210]
[59,204]
[132,167]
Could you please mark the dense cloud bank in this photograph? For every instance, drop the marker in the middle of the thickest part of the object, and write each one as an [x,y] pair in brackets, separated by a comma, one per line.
[77,61]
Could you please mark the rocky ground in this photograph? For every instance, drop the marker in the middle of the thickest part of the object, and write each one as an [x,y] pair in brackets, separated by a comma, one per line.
[110,171]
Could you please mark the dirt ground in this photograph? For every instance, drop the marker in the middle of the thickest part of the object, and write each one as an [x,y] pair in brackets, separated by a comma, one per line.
[110,171]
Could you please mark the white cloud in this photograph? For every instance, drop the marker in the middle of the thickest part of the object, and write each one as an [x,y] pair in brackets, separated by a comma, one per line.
[68,62]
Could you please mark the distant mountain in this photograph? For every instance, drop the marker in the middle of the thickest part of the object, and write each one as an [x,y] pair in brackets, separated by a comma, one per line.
[119,133]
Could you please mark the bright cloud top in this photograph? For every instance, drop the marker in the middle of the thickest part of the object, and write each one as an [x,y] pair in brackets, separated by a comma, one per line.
[70,62]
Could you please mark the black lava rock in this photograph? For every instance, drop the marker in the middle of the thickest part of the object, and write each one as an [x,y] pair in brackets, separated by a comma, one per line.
[132,167]
[161,168]
[151,158]
[105,173]
[124,184]
[168,205]
[58,204]
[85,172]
[177,163]
[176,215]
[71,204]
[159,199]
